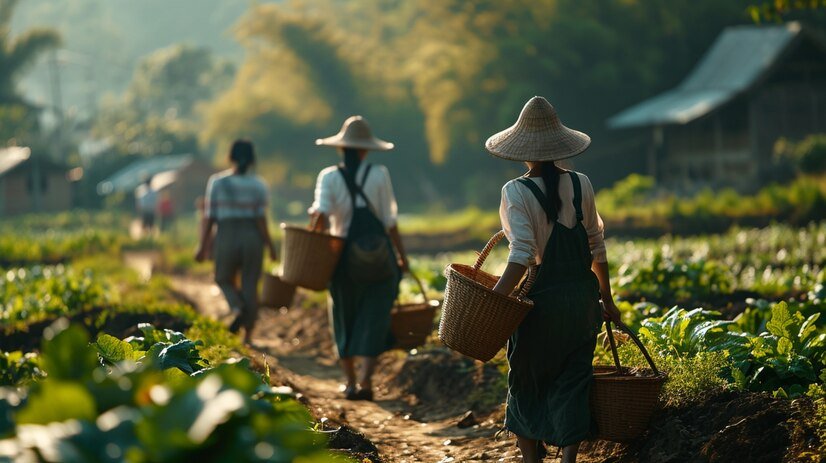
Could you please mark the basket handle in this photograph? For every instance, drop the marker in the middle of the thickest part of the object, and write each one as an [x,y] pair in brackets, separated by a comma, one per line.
[315,223]
[636,340]
[419,285]
[480,260]
[488,247]
[526,287]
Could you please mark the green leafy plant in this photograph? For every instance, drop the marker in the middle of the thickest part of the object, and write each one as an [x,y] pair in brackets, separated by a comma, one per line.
[17,368]
[86,412]
[682,333]
[785,359]
[163,348]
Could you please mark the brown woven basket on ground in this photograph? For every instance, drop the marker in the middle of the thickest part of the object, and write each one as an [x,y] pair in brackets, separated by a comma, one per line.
[310,257]
[475,320]
[412,323]
[623,400]
[276,293]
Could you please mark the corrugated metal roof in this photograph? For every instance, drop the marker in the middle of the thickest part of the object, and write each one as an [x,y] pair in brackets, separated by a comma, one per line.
[12,157]
[128,178]
[736,60]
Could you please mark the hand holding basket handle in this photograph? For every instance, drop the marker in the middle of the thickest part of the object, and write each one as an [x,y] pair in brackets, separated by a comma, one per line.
[476,320]
[483,255]
[636,340]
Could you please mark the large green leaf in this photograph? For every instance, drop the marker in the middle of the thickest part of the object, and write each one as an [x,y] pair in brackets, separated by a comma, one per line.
[781,321]
[66,352]
[112,350]
[58,401]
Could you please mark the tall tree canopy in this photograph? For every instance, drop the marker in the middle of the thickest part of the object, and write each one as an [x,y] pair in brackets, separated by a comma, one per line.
[439,76]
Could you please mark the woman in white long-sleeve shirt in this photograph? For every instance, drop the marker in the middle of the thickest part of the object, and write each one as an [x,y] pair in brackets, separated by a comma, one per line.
[355,200]
[550,218]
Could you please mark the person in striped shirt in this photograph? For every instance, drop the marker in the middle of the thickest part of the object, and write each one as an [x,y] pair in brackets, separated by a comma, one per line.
[236,207]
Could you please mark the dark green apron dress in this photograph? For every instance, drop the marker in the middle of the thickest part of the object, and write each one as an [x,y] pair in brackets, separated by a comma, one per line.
[360,313]
[551,352]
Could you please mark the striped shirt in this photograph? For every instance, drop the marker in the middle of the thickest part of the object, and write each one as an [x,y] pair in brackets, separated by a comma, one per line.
[242,196]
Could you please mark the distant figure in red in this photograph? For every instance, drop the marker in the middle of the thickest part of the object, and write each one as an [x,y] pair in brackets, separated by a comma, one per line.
[166,210]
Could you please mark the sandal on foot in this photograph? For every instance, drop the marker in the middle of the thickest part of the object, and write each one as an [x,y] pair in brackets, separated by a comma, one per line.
[350,393]
[364,394]
[235,326]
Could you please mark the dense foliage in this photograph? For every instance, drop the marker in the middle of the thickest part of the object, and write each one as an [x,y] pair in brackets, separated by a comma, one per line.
[105,403]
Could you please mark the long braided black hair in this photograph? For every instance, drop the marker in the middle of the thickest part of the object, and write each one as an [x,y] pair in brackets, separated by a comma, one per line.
[550,176]
[352,161]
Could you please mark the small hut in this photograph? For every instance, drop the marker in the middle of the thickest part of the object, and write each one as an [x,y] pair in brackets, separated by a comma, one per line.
[182,176]
[755,85]
[32,183]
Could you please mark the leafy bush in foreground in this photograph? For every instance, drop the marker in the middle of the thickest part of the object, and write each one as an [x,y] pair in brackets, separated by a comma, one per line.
[786,358]
[139,412]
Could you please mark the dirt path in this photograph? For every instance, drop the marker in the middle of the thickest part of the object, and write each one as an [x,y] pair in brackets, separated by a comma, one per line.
[388,422]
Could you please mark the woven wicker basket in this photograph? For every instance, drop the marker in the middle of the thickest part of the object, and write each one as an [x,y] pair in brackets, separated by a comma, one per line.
[276,293]
[412,323]
[476,321]
[622,402]
[310,257]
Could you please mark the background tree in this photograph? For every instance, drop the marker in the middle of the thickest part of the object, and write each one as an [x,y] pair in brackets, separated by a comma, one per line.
[158,112]
[17,53]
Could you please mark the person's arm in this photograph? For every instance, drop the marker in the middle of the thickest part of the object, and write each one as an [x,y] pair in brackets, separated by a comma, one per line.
[264,230]
[319,222]
[396,238]
[389,210]
[205,242]
[323,202]
[596,241]
[517,226]
[207,223]
[510,278]
[611,311]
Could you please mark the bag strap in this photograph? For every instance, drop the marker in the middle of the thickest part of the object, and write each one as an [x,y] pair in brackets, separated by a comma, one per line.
[356,189]
[577,195]
[540,196]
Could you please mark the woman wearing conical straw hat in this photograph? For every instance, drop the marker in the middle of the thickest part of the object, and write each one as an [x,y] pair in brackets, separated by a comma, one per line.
[355,200]
[550,219]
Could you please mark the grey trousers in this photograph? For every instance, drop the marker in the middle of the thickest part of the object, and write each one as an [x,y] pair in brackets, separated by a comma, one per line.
[239,248]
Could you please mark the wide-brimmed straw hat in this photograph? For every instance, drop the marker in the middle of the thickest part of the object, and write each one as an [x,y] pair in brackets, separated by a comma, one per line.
[356,133]
[538,135]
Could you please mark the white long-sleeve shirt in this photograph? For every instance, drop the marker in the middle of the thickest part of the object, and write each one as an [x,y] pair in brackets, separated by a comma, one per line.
[333,199]
[526,225]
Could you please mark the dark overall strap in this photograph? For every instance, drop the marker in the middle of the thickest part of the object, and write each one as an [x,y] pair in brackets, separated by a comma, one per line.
[356,189]
[540,196]
[577,195]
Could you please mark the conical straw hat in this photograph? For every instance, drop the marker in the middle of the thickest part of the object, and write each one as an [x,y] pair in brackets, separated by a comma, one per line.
[356,133]
[538,135]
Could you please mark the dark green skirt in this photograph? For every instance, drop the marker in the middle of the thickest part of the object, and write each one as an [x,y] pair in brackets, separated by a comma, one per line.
[360,315]
[550,357]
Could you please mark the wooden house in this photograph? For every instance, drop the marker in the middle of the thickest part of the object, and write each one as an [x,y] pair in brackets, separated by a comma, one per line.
[755,85]
[32,183]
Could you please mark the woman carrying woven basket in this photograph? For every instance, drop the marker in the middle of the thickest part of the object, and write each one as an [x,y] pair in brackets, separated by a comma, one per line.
[236,205]
[550,218]
[355,200]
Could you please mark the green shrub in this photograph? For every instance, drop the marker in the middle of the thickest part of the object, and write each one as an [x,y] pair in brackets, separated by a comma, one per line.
[689,377]
[86,412]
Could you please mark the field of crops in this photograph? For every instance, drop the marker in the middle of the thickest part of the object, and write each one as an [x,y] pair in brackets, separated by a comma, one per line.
[99,363]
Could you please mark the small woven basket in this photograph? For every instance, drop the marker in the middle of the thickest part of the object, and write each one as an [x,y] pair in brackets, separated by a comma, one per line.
[476,321]
[310,257]
[412,323]
[622,400]
[275,292]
